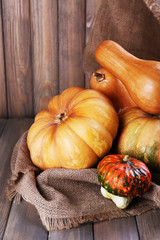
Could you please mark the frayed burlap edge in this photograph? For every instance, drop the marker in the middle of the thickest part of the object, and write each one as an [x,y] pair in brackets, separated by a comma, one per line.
[52,224]
[27,177]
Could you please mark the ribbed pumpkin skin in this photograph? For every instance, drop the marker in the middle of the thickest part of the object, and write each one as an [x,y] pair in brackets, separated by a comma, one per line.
[123,178]
[74,132]
[139,136]
[114,89]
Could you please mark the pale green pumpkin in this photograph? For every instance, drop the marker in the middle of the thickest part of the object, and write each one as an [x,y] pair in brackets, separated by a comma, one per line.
[139,136]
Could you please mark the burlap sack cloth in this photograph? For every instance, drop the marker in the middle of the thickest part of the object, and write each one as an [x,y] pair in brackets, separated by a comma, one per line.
[65,198]
[134,24]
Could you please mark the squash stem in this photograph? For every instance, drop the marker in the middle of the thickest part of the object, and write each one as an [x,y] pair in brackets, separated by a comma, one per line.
[99,76]
[126,158]
[61,117]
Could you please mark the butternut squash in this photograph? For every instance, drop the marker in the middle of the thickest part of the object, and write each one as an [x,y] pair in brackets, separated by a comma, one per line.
[140,77]
[113,88]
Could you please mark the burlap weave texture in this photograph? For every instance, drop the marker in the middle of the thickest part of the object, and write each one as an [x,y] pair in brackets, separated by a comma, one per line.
[66,198]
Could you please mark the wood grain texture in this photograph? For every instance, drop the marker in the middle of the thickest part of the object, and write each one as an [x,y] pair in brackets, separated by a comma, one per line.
[16,23]
[3,97]
[2,125]
[92,7]
[84,232]
[149,225]
[121,229]
[24,223]
[71,43]
[44,34]
[11,133]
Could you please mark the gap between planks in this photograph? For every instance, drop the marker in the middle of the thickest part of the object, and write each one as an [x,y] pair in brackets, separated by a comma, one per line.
[12,130]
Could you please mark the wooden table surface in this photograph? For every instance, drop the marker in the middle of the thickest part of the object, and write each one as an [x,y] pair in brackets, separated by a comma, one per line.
[22,222]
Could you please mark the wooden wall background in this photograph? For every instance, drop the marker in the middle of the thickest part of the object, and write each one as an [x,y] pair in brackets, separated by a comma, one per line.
[41,51]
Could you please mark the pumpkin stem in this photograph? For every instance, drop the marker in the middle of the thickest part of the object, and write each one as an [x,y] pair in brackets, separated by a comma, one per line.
[99,76]
[61,117]
[126,158]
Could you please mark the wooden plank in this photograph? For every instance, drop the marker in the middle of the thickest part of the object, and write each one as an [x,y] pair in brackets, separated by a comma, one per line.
[24,223]
[121,229]
[2,125]
[16,23]
[92,7]
[84,232]
[71,43]
[11,133]
[149,225]
[44,34]
[3,98]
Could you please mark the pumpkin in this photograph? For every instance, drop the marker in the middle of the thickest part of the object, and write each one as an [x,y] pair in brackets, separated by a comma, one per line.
[122,178]
[140,77]
[114,89]
[139,136]
[74,132]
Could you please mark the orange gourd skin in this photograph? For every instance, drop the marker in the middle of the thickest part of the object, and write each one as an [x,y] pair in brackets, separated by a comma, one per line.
[140,77]
[113,88]
[74,132]
[139,136]
[126,178]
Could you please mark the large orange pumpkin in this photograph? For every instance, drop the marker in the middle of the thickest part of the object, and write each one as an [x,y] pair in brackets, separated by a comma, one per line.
[74,132]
